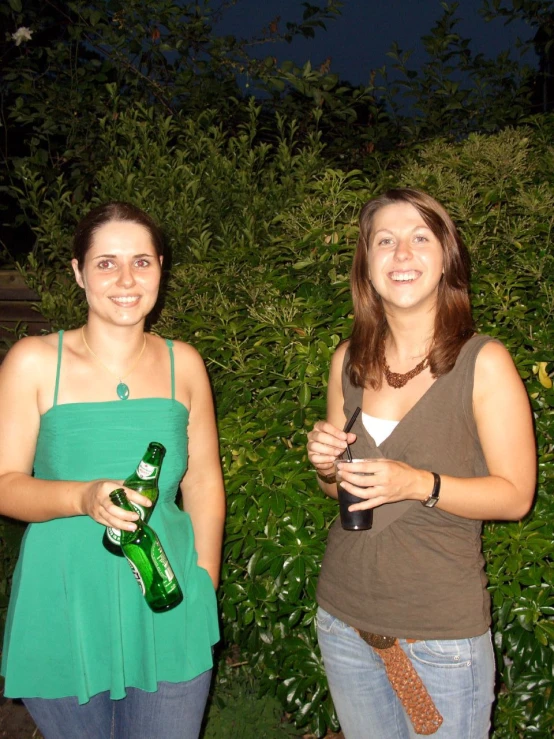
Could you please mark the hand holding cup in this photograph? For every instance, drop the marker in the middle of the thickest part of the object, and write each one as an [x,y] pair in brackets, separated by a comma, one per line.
[325,444]
[360,520]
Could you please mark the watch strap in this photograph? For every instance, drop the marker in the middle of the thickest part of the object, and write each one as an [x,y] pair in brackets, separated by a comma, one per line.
[433,499]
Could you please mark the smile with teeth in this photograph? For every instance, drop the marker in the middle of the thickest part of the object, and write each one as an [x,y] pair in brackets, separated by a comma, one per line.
[404,276]
[125,300]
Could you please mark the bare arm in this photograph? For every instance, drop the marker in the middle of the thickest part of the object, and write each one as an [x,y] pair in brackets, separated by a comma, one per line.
[505,428]
[202,485]
[327,441]
[22,496]
[504,423]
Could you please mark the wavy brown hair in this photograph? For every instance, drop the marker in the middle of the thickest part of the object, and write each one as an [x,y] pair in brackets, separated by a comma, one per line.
[453,321]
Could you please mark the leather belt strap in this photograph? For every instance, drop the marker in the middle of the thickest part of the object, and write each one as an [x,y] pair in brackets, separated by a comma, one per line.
[406,683]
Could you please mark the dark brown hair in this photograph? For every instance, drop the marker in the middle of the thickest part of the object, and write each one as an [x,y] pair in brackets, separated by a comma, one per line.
[453,321]
[106,213]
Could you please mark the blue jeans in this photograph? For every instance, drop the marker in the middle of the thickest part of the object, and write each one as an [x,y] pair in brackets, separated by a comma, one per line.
[458,674]
[174,711]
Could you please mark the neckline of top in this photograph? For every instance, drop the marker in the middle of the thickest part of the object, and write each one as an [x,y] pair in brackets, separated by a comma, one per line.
[410,412]
[124,404]
[426,394]
[379,420]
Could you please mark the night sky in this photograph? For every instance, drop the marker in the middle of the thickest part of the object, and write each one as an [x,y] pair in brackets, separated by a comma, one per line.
[357,41]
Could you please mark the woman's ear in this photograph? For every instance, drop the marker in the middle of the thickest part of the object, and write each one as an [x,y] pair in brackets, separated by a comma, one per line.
[77,273]
[161,258]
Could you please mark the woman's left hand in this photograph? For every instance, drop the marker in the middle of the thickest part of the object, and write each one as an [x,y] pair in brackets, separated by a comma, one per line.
[384,481]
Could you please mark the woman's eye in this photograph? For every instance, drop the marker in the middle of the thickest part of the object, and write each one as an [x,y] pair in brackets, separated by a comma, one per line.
[385,242]
[142,263]
[421,239]
[104,264]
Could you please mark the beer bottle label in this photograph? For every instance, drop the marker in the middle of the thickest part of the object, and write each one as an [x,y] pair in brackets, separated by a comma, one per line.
[114,535]
[146,471]
[136,573]
[161,563]
[139,509]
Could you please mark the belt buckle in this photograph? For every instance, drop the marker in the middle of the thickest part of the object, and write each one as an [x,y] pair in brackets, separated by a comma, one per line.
[377,641]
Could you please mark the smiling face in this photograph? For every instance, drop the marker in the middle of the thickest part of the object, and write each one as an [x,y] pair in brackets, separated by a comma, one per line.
[405,258]
[121,272]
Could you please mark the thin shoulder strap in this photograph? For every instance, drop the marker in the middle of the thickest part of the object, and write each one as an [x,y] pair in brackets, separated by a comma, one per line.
[172,363]
[58,367]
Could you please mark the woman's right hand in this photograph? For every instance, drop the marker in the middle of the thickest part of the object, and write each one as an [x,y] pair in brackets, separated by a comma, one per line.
[325,444]
[96,503]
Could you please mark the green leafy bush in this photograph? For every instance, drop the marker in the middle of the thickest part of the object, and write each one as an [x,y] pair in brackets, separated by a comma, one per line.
[11,533]
[236,708]
[173,55]
[263,234]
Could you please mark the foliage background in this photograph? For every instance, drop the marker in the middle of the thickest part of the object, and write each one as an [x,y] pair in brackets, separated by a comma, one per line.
[262,238]
[262,225]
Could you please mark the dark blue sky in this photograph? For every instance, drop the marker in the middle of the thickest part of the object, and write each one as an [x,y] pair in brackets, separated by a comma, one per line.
[357,41]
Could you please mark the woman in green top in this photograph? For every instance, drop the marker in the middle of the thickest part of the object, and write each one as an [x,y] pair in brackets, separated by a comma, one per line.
[79,407]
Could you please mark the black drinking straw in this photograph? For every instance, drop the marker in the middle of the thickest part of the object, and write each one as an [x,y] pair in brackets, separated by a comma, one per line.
[347,428]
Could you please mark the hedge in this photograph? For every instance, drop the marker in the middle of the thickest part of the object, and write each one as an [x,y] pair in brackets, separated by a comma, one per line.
[262,232]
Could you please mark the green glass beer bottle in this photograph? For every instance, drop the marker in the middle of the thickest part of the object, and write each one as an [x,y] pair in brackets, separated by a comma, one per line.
[148,561]
[145,481]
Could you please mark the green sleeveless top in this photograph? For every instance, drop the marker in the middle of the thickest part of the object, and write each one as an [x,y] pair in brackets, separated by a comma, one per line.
[77,623]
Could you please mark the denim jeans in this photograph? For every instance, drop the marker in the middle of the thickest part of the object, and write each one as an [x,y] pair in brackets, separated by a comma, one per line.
[458,674]
[174,711]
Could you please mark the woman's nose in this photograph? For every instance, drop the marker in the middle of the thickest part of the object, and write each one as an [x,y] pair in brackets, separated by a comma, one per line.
[403,250]
[126,277]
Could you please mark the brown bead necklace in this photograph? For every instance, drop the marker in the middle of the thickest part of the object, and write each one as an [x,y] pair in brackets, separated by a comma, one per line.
[397,379]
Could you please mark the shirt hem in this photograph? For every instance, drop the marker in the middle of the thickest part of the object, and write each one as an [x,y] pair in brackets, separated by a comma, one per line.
[407,632]
[115,693]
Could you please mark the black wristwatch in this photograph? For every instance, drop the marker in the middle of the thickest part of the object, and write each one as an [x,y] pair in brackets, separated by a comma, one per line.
[433,499]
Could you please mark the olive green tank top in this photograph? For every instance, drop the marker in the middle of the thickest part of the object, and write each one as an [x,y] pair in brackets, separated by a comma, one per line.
[419,572]
[77,623]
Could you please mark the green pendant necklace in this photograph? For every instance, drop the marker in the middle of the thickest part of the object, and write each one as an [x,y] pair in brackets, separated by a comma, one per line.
[122,388]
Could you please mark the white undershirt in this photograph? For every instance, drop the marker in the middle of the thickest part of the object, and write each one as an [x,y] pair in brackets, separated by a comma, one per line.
[378,428]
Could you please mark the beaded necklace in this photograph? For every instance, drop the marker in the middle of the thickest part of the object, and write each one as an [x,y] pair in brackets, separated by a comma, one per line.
[397,379]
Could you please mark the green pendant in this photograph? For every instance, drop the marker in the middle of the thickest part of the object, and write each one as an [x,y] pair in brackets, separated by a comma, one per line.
[122,391]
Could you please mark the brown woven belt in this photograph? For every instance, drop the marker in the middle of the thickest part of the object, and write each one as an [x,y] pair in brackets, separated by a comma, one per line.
[406,683]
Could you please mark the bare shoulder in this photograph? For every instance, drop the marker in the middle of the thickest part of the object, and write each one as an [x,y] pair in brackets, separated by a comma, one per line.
[495,370]
[493,358]
[192,383]
[187,356]
[30,356]
[337,360]
[337,363]
[28,369]
[190,373]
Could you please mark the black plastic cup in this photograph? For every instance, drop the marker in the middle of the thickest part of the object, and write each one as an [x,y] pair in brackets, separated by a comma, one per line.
[353,520]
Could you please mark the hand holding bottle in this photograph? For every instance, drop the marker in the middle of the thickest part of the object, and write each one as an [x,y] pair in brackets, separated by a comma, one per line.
[96,503]
[144,482]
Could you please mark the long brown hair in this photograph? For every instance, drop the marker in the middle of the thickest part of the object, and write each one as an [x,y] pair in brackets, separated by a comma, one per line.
[453,321]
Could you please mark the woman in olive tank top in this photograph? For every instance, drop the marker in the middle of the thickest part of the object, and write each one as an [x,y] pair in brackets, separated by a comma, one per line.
[446,440]
[82,648]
